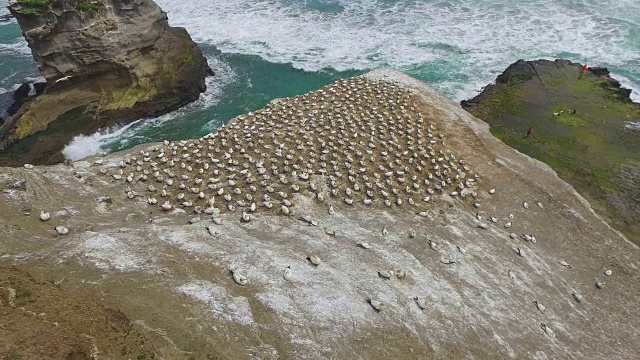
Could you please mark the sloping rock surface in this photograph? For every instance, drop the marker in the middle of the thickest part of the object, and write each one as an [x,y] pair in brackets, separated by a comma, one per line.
[171,270]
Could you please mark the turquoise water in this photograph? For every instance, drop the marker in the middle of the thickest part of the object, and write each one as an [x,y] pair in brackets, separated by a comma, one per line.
[261,50]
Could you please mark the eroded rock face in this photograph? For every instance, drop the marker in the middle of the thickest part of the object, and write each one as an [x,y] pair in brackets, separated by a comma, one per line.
[113,60]
[68,41]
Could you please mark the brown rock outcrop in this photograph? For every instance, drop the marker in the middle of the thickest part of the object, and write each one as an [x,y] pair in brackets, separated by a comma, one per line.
[105,62]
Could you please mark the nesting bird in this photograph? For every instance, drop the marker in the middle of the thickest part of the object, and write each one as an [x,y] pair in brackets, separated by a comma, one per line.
[287,274]
[547,330]
[61,230]
[421,301]
[314,259]
[540,307]
[564,263]
[239,278]
[377,305]
[45,216]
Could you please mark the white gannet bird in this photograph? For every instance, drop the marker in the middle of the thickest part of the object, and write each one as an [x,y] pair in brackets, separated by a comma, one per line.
[365,245]
[314,259]
[564,263]
[377,305]
[412,234]
[44,216]
[433,245]
[540,307]
[578,297]
[212,231]
[548,331]
[239,278]
[525,205]
[287,274]
[421,301]
[28,166]
[65,78]
[520,252]
[166,206]
[331,210]
[447,260]
[400,273]
[385,274]
[512,276]
[61,230]
[385,232]
[608,272]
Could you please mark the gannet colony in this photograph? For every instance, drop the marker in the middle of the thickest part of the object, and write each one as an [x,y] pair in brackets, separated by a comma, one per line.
[356,141]
[370,219]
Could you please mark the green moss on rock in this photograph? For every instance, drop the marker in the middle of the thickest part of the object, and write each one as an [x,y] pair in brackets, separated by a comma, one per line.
[579,129]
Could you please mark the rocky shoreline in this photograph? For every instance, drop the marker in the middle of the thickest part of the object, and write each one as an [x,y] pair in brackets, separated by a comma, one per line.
[581,125]
[97,74]
[498,249]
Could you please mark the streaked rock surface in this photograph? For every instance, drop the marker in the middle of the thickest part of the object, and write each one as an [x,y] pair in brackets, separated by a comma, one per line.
[173,277]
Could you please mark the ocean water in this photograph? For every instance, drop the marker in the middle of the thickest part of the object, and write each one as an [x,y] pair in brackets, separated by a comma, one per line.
[261,50]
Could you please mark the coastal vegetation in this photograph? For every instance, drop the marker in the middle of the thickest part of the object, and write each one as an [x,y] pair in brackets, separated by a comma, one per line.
[579,127]
[36,7]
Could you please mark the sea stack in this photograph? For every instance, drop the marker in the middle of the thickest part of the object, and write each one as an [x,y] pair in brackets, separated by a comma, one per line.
[104,62]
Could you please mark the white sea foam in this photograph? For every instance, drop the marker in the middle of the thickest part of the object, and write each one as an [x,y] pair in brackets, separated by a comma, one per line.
[82,146]
[474,38]
[626,82]
[633,125]
[19,47]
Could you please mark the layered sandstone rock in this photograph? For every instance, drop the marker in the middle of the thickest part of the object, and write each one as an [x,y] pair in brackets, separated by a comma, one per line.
[104,61]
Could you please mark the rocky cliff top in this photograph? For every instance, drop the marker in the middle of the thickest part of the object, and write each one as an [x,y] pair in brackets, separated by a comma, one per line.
[583,126]
[372,218]
[70,38]
[105,62]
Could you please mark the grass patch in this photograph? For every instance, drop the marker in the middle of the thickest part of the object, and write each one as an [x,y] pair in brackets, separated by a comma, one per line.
[504,101]
[89,5]
[587,149]
[22,292]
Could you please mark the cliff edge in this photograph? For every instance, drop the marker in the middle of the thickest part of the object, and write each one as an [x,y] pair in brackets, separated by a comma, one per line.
[581,123]
[105,62]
